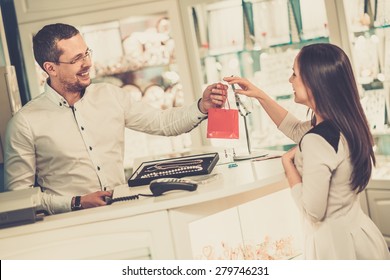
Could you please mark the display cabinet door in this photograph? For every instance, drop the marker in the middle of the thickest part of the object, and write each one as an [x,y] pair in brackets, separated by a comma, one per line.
[146,236]
[379,207]
[217,237]
[365,26]
[137,46]
[258,40]
[134,17]
[263,229]
[271,227]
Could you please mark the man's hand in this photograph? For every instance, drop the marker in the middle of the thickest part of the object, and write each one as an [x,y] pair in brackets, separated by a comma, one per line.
[94,199]
[214,96]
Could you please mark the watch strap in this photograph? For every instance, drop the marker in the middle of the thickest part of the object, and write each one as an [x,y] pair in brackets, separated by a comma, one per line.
[77,203]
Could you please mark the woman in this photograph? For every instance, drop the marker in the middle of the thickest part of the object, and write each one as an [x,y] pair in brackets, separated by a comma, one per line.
[333,160]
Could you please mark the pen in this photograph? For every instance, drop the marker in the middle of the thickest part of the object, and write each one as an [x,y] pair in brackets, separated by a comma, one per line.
[264,158]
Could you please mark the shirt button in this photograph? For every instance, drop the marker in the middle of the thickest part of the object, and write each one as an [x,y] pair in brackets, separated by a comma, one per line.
[98,168]
[90,148]
[82,128]
[60,104]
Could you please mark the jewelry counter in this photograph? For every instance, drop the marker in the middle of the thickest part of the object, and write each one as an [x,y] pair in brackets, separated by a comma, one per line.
[165,227]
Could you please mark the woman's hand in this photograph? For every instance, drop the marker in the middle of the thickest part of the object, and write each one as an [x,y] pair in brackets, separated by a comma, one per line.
[289,156]
[276,112]
[246,87]
[292,174]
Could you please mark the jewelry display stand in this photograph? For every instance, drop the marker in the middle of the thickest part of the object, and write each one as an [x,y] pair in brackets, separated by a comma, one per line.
[250,153]
[173,168]
[244,112]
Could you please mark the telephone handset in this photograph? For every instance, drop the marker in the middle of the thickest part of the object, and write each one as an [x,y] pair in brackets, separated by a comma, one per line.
[163,185]
[159,187]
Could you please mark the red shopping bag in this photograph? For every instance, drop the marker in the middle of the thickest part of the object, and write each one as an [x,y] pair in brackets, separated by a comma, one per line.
[222,123]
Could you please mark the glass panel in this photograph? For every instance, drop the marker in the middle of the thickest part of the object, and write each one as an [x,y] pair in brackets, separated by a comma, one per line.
[225,27]
[314,24]
[141,59]
[370,35]
[256,39]
[368,24]
[138,54]
[265,15]
[381,12]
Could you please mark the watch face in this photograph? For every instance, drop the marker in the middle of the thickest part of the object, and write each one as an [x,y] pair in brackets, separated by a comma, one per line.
[77,204]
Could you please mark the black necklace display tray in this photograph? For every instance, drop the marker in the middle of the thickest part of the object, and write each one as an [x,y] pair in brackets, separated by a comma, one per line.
[173,168]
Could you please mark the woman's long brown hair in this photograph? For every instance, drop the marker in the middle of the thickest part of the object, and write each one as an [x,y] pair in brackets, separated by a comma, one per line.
[326,70]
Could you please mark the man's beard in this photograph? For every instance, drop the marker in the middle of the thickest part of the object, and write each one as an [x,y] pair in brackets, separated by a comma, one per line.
[76,87]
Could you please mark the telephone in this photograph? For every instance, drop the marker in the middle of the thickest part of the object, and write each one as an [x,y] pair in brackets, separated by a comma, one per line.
[20,207]
[163,185]
[159,187]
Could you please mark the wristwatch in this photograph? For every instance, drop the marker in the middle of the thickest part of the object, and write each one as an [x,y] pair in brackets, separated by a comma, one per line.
[76,203]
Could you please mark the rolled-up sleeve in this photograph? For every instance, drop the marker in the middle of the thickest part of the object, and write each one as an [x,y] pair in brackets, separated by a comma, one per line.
[175,121]
[294,128]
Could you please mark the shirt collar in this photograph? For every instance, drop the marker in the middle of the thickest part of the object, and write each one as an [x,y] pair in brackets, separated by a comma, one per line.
[57,98]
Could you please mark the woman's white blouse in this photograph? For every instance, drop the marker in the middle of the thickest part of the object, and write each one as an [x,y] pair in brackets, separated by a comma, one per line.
[335,227]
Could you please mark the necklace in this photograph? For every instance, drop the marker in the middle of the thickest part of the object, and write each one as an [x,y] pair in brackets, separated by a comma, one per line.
[174,165]
[173,168]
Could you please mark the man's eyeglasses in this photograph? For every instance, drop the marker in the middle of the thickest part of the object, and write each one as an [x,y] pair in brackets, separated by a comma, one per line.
[80,58]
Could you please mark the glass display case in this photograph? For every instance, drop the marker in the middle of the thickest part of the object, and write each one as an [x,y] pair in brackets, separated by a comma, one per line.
[137,45]
[141,59]
[165,51]
[256,39]
[368,24]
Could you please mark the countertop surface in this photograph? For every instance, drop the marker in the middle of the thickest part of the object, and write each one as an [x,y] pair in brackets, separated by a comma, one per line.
[246,177]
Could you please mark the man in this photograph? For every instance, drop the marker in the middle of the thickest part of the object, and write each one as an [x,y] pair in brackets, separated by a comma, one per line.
[71,137]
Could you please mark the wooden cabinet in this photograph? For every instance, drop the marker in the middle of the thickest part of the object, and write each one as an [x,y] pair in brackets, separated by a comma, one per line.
[153,227]
[265,228]
[378,199]
[271,227]
[125,238]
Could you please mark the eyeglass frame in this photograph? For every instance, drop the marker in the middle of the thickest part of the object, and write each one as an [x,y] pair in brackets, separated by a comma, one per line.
[88,53]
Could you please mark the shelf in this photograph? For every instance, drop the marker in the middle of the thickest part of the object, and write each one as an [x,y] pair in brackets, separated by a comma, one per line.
[370,30]
[272,48]
[126,69]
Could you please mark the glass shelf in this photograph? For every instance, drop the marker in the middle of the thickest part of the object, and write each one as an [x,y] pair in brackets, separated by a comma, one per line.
[295,45]
[371,57]
[368,27]
[370,30]
[123,68]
